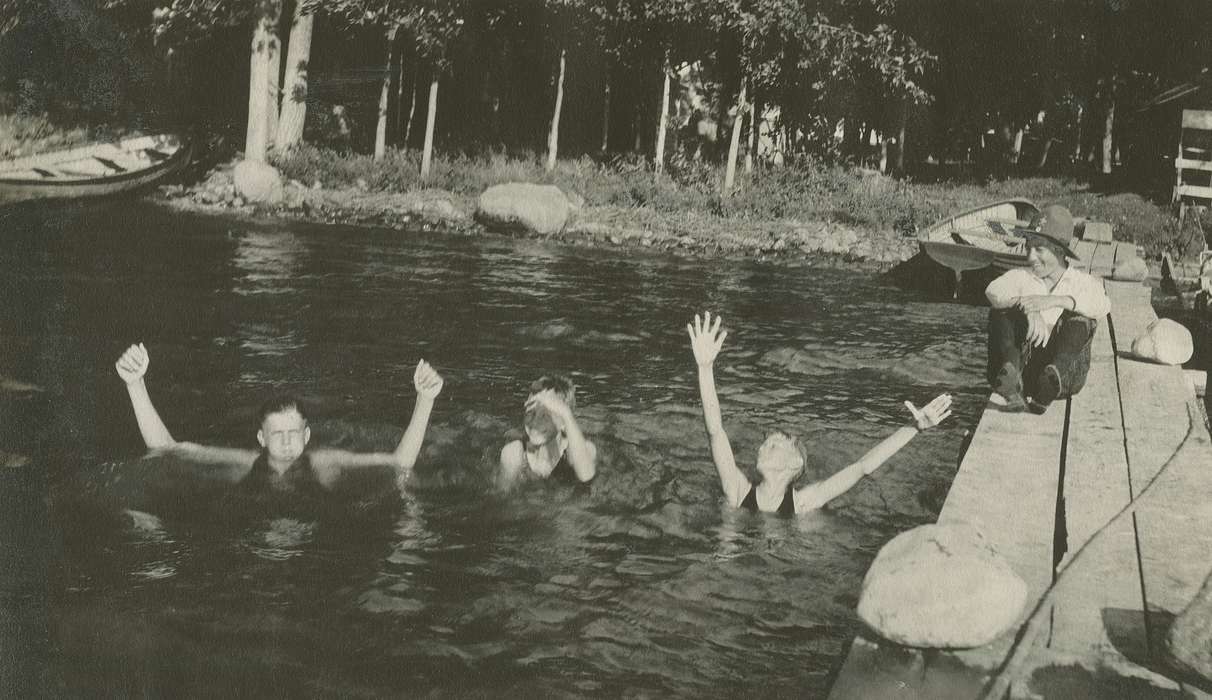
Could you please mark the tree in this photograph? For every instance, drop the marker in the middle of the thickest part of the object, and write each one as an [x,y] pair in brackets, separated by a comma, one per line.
[293,114]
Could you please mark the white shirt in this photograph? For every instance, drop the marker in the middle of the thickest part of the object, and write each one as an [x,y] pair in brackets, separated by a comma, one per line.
[1089,298]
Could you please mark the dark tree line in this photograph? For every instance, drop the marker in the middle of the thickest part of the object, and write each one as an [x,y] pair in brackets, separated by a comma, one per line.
[1026,83]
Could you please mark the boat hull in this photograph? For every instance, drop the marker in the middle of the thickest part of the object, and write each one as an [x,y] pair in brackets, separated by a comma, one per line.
[67,175]
[979,237]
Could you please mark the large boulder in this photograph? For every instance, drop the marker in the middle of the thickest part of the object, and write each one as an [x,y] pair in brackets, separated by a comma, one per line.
[1189,641]
[1164,341]
[941,586]
[258,182]
[1132,269]
[541,209]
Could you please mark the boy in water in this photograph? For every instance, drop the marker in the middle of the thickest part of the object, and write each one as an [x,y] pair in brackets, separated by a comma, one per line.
[553,442]
[284,460]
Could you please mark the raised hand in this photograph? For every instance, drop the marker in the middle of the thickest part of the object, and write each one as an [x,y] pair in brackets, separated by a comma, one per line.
[427,381]
[133,363]
[706,338]
[551,401]
[932,413]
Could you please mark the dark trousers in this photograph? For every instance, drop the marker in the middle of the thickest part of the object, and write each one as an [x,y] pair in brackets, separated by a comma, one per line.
[1068,349]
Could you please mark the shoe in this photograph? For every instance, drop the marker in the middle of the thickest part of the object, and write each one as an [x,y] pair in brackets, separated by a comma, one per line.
[1009,383]
[1036,407]
[1050,386]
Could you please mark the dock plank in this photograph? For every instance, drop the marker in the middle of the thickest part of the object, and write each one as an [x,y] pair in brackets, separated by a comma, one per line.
[1101,605]
[1017,457]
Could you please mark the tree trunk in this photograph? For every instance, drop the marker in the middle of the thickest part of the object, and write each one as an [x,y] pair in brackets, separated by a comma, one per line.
[398,99]
[1077,150]
[900,139]
[553,136]
[412,106]
[274,72]
[735,144]
[754,126]
[1017,151]
[663,120]
[883,153]
[256,137]
[293,114]
[1109,127]
[384,93]
[606,116]
[427,152]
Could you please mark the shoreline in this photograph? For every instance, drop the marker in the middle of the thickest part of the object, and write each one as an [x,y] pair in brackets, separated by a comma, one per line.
[703,236]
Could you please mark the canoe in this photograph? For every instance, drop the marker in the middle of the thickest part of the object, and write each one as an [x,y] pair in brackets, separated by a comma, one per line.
[980,237]
[93,170]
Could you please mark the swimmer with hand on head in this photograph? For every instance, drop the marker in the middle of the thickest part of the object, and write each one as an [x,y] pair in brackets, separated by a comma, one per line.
[552,440]
[283,434]
[781,458]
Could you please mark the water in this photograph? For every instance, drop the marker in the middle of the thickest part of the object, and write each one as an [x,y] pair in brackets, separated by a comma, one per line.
[142,577]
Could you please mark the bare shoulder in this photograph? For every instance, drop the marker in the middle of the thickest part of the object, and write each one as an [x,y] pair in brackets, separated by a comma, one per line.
[513,455]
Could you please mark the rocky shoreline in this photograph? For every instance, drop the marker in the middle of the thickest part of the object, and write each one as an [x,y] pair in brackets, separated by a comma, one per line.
[700,235]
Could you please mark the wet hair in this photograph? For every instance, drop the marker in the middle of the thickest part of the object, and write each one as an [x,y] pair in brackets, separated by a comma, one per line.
[537,418]
[799,446]
[280,404]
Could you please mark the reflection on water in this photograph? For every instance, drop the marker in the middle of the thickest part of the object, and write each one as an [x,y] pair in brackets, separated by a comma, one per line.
[643,583]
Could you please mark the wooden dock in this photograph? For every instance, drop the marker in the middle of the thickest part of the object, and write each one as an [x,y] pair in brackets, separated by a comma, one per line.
[1103,506]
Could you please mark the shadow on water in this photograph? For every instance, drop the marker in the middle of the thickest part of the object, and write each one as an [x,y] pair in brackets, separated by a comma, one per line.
[161,580]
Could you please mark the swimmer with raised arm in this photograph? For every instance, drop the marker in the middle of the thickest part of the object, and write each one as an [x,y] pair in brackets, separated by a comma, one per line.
[552,442]
[283,434]
[781,458]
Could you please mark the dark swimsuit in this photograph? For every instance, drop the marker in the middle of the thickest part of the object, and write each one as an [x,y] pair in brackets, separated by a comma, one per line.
[299,476]
[786,508]
[562,471]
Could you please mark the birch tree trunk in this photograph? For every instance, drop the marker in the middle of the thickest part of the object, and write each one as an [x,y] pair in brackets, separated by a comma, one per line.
[1109,128]
[900,139]
[412,106]
[754,125]
[256,135]
[606,116]
[553,136]
[384,93]
[1018,146]
[663,120]
[293,114]
[427,152]
[735,144]
[273,58]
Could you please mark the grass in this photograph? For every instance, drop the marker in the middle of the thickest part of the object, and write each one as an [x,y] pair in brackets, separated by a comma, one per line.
[807,191]
[689,192]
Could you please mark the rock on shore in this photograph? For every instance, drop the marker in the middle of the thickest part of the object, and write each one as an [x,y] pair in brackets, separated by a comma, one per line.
[541,209]
[941,586]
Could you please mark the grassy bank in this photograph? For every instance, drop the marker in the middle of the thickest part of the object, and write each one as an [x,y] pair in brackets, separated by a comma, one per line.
[684,203]
[630,196]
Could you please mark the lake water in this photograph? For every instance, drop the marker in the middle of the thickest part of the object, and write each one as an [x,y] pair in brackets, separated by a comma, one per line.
[127,575]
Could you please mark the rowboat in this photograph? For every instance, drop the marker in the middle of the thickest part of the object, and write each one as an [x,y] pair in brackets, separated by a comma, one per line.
[980,237]
[93,170]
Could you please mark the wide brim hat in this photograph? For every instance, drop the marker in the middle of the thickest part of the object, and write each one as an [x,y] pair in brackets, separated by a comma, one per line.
[1053,223]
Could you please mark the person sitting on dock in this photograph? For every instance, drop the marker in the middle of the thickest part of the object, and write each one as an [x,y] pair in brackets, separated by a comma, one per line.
[284,460]
[1043,318]
[552,442]
[782,457]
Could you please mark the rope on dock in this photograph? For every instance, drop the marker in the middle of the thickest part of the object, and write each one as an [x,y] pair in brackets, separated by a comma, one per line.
[1020,649]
